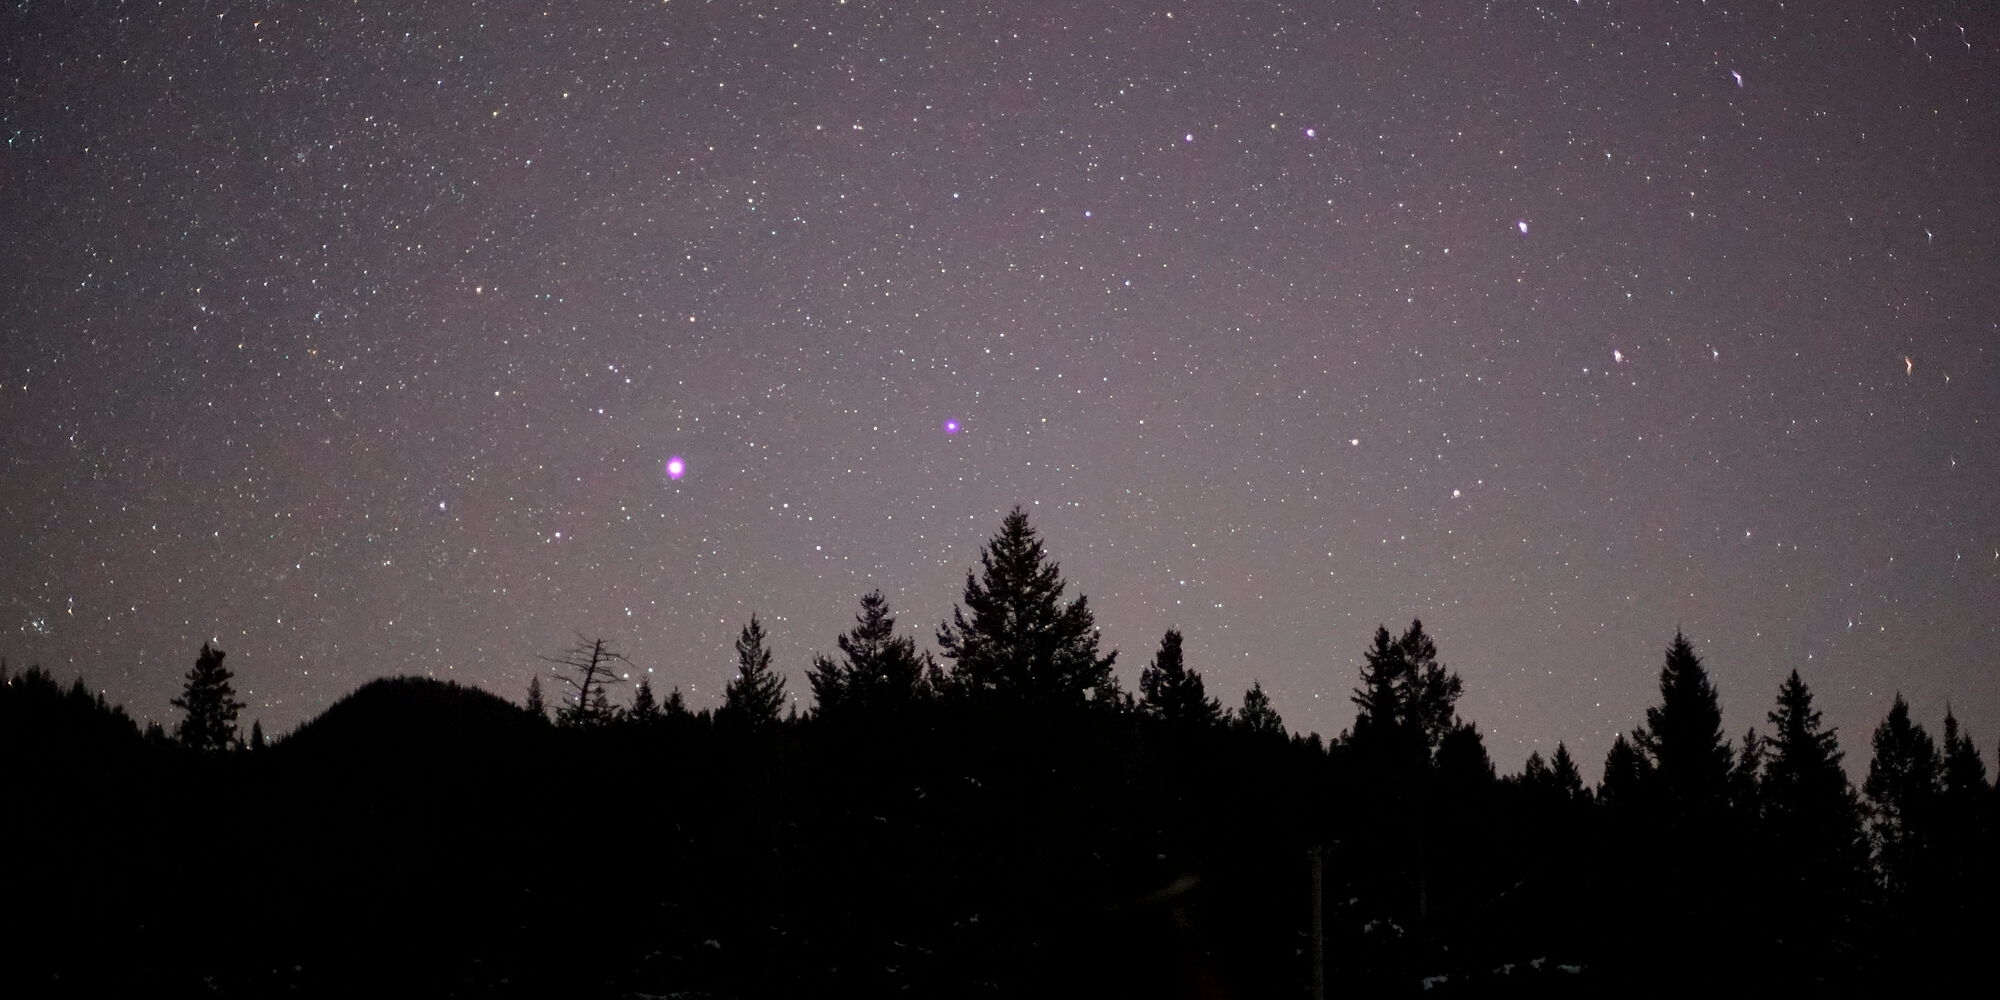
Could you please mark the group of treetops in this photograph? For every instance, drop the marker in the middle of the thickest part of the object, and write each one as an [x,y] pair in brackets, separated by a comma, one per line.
[1016,640]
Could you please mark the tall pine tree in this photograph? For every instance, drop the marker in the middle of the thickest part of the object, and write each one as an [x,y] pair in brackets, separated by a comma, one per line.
[210,702]
[1257,717]
[878,669]
[1905,788]
[1017,638]
[1172,693]
[1407,702]
[1682,738]
[645,708]
[755,697]
[1816,857]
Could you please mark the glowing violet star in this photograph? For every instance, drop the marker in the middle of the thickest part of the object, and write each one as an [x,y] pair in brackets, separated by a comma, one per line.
[676,467]
[951,426]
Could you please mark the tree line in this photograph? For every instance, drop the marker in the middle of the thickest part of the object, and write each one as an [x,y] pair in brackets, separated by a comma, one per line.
[1003,817]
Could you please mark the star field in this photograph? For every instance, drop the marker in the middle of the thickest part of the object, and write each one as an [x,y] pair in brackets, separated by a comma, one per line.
[359,341]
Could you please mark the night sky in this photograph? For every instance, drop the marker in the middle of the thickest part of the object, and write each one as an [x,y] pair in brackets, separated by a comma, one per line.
[357,338]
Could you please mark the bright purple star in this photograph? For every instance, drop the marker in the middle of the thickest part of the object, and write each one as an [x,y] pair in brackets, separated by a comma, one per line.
[676,467]
[951,427]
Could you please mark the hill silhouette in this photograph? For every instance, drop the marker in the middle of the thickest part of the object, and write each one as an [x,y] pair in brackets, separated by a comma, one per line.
[399,715]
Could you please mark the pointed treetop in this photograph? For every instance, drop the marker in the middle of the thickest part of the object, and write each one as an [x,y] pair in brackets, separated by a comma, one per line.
[756,695]
[1171,692]
[1016,637]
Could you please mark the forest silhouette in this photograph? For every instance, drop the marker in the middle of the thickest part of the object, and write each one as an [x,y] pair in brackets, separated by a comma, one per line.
[1001,818]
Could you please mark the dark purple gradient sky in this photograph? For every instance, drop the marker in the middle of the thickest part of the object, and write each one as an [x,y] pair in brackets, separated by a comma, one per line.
[356,340]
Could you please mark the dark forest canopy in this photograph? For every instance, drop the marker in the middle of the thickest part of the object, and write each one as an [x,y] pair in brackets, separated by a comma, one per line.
[1003,820]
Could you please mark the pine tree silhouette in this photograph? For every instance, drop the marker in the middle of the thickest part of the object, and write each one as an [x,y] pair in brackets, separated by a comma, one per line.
[1017,638]
[1565,776]
[1682,738]
[536,706]
[210,703]
[878,670]
[645,708]
[755,697]
[1257,717]
[1626,775]
[1407,703]
[1170,692]
[1816,859]
[1905,786]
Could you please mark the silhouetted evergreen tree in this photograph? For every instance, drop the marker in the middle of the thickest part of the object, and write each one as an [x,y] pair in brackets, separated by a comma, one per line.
[1968,870]
[1407,702]
[1565,777]
[1816,859]
[1745,774]
[210,703]
[257,735]
[755,697]
[1964,774]
[878,670]
[1904,787]
[645,708]
[1170,692]
[536,706]
[676,706]
[1016,637]
[1682,738]
[592,664]
[1257,716]
[1625,775]
[1462,761]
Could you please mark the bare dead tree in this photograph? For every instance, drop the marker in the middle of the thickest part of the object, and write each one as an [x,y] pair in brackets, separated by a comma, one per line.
[590,665]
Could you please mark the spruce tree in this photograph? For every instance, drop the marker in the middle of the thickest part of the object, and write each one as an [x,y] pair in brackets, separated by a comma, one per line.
[1257,717]
[1407,702]
[1682,738]
[1535,774]
[1812,825]
[1804,790]
[1462,762]
[1017,638]
[1964,774]
[1746,773]
[1565,776]
[257,735]
[1170,692]
[1626,774]
[878,670]
[210,703]
[1904,787]
[536,706]
[645,708]
[755,697]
